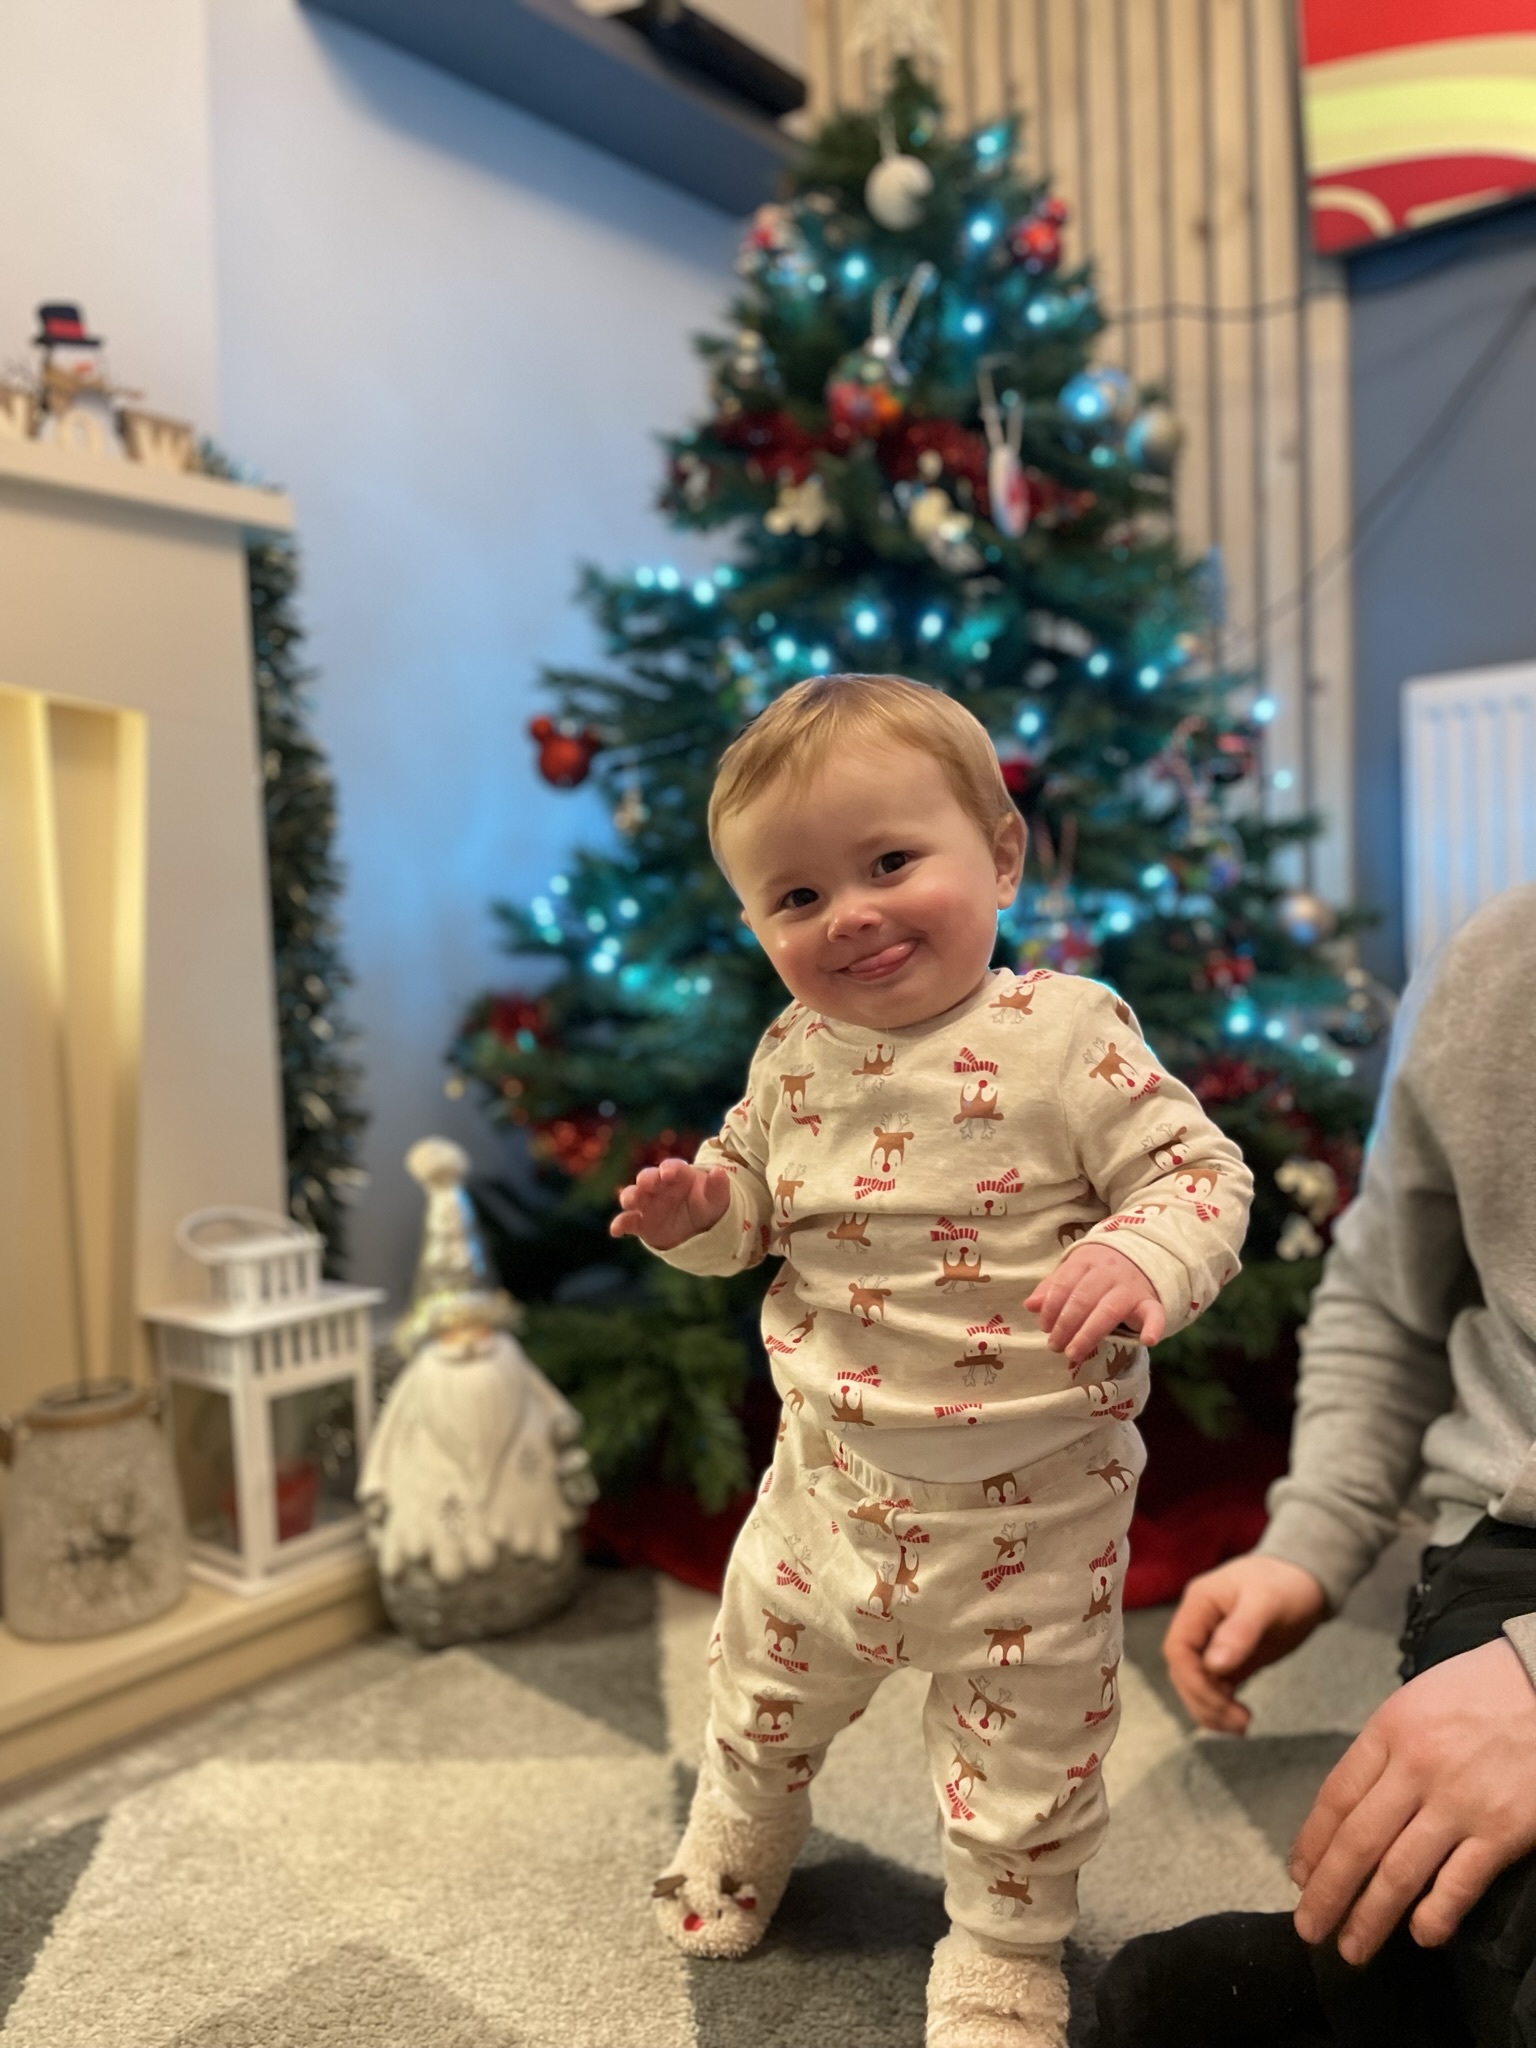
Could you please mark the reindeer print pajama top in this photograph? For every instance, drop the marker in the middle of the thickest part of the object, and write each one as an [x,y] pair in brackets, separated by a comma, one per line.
[947,1491]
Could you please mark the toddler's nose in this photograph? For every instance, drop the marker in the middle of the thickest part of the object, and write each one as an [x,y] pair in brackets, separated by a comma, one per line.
[849,918]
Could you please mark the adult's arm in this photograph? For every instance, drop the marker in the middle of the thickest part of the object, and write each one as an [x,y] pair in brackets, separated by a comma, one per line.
[1375,1371]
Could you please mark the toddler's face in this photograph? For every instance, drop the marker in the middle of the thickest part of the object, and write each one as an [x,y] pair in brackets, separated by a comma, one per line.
[872,892]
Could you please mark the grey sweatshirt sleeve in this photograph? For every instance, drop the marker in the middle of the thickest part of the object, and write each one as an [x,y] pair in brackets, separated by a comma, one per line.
[1375,1371]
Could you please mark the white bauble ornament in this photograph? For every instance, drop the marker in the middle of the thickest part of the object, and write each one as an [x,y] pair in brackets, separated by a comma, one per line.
[1008,492]
[897,190]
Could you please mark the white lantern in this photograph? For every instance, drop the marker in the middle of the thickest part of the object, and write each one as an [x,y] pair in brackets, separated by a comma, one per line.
[269,1400]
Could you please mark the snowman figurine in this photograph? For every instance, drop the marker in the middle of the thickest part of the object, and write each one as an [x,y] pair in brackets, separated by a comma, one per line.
[78,399]
[475,1483]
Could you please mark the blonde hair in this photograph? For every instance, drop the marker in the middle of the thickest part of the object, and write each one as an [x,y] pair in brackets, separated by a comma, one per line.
[824,716]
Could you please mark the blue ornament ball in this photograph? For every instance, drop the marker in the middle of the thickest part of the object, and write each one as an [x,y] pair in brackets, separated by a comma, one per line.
[1100,397]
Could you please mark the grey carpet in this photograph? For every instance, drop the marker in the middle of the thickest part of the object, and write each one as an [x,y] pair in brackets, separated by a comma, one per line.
[399,1850]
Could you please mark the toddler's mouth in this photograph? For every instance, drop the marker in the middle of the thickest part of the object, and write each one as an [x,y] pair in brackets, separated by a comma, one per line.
[875,966]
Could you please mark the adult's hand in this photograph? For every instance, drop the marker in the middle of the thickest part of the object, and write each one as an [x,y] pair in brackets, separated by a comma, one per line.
[1435,1796]
[1231,1622]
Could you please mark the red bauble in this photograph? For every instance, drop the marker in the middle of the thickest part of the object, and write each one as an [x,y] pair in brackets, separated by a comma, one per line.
[1036,243]
[574,1143]
[565,758]
[865,394]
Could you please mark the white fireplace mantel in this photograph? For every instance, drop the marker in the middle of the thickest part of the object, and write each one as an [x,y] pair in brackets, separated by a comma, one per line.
[206,499]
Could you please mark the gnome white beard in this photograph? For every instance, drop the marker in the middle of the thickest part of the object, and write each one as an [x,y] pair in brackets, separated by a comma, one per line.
[466,1459]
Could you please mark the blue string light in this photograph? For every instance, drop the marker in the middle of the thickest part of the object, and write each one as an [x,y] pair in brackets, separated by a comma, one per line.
[1148,676]
[784,649]
[596,922]
[600,962]
[668,577]
[974,322]
[1281,779]
[981,228]
[1264,710]
[820,659]
[1120,920]
[1275,1028]
[704,591]
[1099,664]
[1240,1022]
[628,907]
[1028,722]
[866,621]
[645,578]
[855,269]
[560,884]
[930,625]
[1154,876]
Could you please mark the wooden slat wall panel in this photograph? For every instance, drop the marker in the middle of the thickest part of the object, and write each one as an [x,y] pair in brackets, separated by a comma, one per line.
[1170,127]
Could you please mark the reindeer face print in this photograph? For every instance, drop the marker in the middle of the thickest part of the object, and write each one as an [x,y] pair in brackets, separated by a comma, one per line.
[1106,1061]
[872,892]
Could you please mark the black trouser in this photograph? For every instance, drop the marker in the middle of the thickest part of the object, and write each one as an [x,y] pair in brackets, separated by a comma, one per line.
[1486,1974]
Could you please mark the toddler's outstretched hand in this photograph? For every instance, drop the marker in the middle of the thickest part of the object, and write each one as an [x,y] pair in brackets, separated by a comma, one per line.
[666,1205]
[1094,1290]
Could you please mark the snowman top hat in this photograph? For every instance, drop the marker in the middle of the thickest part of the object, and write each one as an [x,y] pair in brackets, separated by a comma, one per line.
[61,321]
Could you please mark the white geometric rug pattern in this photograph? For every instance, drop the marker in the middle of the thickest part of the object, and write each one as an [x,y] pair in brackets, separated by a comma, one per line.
[458,1853]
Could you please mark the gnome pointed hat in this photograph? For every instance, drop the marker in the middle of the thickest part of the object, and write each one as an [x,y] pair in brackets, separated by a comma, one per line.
[454,1284]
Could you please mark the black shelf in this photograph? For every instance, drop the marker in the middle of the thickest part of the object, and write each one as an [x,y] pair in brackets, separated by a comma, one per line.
[595,78]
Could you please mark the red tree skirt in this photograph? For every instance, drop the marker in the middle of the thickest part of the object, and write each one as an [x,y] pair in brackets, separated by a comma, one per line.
[1200,1501]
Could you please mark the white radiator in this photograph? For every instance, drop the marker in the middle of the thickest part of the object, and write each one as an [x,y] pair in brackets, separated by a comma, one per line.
[1469,795]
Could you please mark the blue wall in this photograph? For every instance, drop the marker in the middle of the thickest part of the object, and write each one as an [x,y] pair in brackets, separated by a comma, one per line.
[1445,571]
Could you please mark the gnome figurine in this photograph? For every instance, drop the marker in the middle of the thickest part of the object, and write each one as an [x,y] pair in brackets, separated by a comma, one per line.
[475,1482]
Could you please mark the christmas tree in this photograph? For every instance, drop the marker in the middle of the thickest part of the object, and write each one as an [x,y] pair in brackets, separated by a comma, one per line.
[323,1118]
[918,468]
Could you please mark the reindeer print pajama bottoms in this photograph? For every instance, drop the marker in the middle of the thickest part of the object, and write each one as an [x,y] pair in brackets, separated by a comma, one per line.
[1006,1590]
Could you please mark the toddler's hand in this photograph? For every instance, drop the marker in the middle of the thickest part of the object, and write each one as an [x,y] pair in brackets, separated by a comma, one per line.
[666,1205]
[1093,1291]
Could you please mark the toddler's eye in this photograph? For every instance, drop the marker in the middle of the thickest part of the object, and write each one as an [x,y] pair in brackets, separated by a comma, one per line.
[787,902]
[900,859]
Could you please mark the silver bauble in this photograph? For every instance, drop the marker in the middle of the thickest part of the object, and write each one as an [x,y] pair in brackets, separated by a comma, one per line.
[1153,440]
[897,190]
[1306,918]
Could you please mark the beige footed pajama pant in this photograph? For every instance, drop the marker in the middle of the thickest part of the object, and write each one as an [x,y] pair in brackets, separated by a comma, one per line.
[1006,1590]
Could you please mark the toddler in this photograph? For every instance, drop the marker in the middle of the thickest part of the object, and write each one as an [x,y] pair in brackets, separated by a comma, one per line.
[989,1200]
